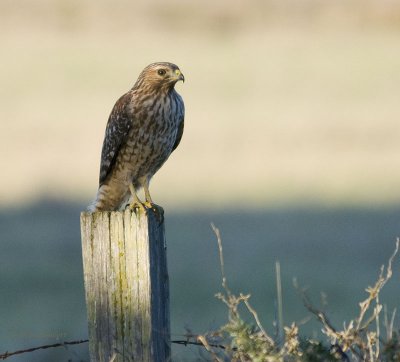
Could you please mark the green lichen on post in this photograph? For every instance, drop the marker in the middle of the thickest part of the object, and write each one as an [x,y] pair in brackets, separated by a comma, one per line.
[123,294]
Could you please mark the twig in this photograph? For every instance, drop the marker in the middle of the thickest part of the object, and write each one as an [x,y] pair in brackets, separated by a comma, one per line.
[279,296]
[207,346]
[390,327]
[318,313]
[255,316]
[221,255]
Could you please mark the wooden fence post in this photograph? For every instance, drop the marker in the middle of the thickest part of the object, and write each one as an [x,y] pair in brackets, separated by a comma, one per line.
[126,284]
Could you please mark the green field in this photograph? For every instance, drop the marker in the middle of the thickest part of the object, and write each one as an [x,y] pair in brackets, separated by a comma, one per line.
[337,252]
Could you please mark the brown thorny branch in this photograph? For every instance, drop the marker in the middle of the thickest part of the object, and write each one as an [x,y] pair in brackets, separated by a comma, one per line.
[351,337]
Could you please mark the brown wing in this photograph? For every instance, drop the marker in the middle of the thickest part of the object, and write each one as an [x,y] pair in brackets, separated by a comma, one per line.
[179,135]
[181,114]
[118,126]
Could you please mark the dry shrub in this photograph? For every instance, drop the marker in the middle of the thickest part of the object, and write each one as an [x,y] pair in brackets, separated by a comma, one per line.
[359,340]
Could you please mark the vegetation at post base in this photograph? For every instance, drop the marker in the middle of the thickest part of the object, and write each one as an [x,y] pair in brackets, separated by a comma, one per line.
[371,336]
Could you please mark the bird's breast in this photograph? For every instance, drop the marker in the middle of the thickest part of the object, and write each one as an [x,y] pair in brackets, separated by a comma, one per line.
[151,137]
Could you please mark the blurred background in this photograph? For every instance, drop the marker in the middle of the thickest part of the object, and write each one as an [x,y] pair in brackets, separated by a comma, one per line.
[291,148]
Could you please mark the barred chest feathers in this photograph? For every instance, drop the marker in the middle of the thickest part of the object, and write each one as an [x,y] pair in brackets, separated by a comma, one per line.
[149,145]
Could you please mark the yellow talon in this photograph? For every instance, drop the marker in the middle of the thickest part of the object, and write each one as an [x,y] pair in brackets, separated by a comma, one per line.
[136,205]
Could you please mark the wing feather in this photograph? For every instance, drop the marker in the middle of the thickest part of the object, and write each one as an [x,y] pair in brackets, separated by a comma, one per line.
[179,134]
[181,110]
[118,126]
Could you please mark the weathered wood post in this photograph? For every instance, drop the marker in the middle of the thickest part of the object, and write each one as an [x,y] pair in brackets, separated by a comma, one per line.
[126,284]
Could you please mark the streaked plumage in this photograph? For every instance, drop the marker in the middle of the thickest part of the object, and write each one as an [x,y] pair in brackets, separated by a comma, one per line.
[144,127]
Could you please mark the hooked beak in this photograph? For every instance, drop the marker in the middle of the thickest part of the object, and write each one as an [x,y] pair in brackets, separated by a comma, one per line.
[179,75]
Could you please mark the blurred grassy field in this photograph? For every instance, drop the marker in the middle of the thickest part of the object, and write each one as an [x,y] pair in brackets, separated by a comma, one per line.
[335,253]
[287,102]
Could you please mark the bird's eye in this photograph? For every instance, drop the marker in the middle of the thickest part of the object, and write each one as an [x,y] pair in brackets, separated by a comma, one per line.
[161,71]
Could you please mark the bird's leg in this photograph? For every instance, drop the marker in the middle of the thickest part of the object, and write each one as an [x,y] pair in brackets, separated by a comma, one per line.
[136,203]
[149,202]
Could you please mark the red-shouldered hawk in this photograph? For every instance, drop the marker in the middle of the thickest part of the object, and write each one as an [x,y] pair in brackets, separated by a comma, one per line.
[144,127]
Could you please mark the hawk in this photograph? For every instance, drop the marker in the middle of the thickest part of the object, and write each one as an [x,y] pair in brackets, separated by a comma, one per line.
[144,128]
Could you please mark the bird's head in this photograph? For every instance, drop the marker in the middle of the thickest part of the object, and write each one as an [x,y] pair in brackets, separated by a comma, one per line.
[162,76]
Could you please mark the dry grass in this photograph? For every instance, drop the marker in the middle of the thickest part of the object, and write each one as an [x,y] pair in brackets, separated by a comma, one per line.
[286,101]
[362,336]
[359,340]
